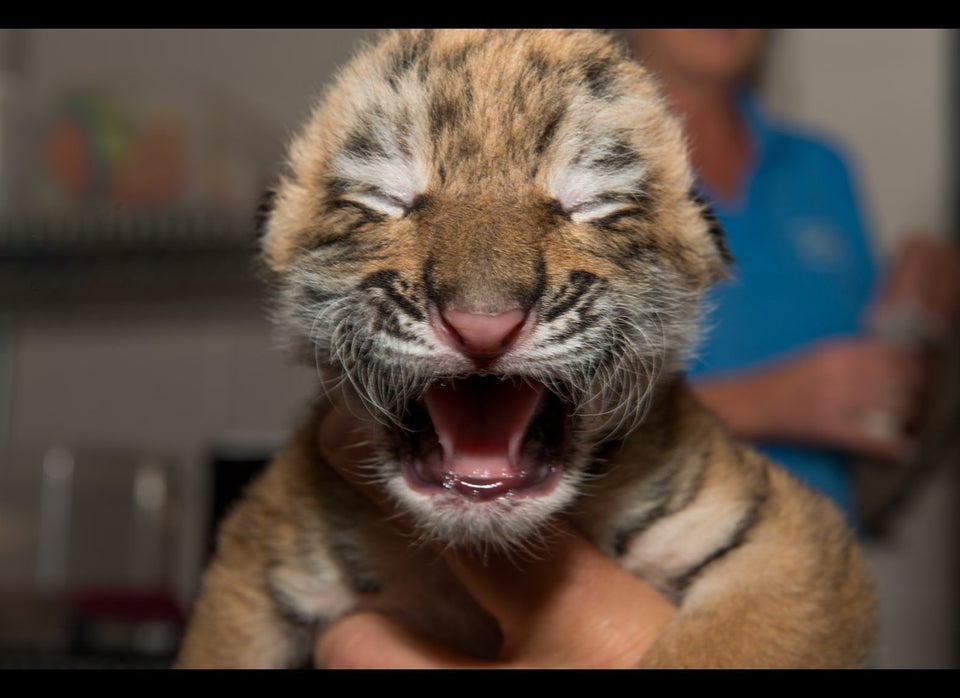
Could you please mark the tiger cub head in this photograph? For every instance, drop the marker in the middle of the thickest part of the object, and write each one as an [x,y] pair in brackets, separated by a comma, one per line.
[486,239]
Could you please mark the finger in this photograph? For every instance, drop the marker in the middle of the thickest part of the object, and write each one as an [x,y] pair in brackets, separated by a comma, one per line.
[878,434]
[937,264]
[912,369]
[368,640]
[925,277]
[887,407]
[574,591]
[903,386]
[884,378]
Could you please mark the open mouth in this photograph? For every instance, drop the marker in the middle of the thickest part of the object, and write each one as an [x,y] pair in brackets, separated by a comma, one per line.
[485,437]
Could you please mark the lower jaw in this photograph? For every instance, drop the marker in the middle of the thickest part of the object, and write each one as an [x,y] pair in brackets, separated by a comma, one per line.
[469,475]
[515,523]
[540,483]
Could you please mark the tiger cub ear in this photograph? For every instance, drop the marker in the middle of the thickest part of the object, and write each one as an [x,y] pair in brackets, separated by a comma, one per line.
[717,235]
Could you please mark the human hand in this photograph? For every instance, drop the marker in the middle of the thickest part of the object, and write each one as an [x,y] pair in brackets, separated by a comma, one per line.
[571,607]
[857,395]
[920,297]
[861,395]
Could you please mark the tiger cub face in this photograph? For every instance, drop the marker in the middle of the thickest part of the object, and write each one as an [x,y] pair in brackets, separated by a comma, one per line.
[486,240]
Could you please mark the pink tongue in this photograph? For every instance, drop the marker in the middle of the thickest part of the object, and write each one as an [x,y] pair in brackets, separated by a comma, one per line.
[480,423]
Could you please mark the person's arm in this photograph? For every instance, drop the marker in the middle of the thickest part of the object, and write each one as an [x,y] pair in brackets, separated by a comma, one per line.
[856,395]
[859,395]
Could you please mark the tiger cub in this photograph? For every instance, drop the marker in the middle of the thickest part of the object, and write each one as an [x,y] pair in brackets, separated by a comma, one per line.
[487,243]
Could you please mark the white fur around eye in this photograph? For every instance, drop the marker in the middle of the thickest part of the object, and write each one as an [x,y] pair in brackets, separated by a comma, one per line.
[388,182]
[379,202]
[593,210]
[584,193]
[389,185]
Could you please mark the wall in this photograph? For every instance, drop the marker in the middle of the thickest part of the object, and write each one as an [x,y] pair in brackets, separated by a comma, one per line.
[175,377]
[277,72]
[885,94]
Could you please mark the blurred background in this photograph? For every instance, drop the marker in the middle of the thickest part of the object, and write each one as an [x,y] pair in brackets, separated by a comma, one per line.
[138,378]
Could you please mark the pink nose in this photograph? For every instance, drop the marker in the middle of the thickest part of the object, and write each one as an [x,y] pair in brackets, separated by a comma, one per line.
[478,334]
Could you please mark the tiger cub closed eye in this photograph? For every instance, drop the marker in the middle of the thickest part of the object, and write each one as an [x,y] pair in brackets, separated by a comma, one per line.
[487,244]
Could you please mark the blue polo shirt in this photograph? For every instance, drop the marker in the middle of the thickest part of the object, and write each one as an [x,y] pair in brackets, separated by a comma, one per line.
[804,271]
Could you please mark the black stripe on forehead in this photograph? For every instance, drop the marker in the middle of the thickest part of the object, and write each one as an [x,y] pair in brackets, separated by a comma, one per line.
[413,48]
[535,87]
[361,142]
[377,133]
[600,76]
[550,128]
[456,59]
[607,153]
[447,112]
[617,156]
[538,63]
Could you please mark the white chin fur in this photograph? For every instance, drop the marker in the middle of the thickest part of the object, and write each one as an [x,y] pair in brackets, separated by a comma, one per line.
[507,524]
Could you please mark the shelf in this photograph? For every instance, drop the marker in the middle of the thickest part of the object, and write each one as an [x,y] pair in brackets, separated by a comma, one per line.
[169,256]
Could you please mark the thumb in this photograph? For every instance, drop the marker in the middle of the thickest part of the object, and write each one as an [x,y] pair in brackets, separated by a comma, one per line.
[574,607]
[369,640]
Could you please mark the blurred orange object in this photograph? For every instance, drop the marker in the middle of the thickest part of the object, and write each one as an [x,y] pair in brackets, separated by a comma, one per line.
[152,173]
[68,158]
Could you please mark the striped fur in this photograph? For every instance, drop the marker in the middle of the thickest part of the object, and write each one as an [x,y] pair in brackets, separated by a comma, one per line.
[492,171]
